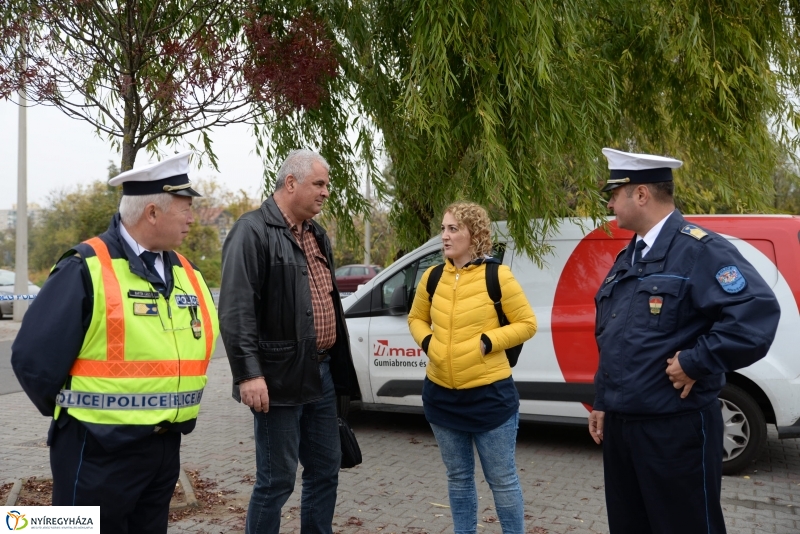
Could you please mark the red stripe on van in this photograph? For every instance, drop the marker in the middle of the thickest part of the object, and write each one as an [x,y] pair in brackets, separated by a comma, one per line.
[573,315]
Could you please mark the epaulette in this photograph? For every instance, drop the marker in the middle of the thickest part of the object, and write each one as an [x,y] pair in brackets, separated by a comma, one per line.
[694,231]
[71,253]
[620,253]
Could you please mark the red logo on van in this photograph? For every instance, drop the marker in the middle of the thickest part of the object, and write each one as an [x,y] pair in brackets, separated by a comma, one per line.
[380,347]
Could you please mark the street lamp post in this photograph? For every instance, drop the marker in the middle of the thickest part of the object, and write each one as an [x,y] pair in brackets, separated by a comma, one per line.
[21,257]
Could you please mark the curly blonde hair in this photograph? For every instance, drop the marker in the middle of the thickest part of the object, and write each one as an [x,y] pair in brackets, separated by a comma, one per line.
[475,219]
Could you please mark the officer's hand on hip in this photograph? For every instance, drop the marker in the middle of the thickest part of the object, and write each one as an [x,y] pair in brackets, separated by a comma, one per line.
[596,425]
[678,378]
[254,394]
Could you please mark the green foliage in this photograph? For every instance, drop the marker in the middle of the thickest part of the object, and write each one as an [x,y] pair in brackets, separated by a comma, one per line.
[8,249]
[202,247]
[786,181]
[509,103]
[506,103]
[383,242]
[216,195]
[71,216]
[239,203]
[707,82]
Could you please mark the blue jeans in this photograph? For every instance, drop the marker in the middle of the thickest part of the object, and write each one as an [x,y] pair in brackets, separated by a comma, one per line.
[285,434]
[496,451]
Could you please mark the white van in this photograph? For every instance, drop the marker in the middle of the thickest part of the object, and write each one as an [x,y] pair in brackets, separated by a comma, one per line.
[556,369]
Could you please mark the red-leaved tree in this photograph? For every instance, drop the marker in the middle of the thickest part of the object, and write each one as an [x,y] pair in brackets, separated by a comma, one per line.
[147,72]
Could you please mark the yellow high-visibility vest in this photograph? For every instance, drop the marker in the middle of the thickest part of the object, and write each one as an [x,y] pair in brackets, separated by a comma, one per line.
[144,358]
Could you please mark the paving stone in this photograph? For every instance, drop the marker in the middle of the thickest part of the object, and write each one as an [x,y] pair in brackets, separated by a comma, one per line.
[401,484]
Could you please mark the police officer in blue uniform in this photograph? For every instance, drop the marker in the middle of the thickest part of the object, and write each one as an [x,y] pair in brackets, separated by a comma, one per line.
[129,470]
[680,308]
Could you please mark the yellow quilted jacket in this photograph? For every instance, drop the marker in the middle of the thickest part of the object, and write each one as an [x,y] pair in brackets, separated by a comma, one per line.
[461,311]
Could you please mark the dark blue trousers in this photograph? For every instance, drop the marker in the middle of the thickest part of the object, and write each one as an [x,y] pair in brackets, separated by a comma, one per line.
[663,475]
[132,485]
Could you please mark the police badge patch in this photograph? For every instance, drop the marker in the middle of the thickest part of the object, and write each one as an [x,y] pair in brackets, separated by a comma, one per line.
[143,308]
[731,279]
[655,305]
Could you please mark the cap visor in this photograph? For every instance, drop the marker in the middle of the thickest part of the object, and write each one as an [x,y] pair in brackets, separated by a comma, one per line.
[188,192]
[610,187]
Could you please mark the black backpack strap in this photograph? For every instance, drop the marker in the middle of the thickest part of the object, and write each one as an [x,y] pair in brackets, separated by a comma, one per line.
[493,287]
[433,280]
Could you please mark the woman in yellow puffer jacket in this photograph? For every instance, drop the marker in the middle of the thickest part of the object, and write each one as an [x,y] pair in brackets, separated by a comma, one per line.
[468,395]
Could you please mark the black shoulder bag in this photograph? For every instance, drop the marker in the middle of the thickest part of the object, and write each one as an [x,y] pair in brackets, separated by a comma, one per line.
[351,452]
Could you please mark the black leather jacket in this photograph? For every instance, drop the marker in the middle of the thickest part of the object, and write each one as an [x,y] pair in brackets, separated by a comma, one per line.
[265,312]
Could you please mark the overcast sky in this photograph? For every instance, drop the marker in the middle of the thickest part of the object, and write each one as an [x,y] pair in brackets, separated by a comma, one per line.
[63,152]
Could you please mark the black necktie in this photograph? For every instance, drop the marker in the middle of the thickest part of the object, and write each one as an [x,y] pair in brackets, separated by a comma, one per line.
[149,259]
[637,253]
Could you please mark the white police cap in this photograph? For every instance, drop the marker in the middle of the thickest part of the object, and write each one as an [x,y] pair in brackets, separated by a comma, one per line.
[628,168]
[170,175]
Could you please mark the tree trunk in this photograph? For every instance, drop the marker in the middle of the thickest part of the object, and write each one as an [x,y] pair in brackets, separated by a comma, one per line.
[128,155]
[130,122]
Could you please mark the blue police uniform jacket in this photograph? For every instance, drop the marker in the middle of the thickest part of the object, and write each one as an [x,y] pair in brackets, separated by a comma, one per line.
[692,292]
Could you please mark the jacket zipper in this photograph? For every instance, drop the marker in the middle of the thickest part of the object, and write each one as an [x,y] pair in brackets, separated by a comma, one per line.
[450,341]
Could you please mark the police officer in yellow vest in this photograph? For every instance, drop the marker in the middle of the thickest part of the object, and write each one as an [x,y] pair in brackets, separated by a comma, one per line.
[115,348]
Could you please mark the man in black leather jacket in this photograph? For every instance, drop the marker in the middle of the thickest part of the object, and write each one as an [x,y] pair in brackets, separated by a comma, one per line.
[283,327]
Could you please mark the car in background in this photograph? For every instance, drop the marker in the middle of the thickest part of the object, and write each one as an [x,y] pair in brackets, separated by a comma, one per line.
[349,277]
[7,291]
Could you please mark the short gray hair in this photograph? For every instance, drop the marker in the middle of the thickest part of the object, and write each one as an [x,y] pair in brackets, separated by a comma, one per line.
[131,207]
[298,163]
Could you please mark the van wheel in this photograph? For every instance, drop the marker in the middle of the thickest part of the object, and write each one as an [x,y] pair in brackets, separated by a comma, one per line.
[343,406]
[744,429]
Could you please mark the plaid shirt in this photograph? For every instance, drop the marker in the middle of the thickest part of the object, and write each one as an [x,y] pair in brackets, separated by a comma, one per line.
[319,280]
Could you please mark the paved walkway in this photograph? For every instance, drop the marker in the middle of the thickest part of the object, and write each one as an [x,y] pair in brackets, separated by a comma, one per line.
[8,382]
[8,329]
[401,487]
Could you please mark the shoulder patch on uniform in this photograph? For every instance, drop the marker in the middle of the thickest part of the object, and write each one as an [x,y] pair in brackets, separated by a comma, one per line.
[731,279]
[694,231]
[619,253]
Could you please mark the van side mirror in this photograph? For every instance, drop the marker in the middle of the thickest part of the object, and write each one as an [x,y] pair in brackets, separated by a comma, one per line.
[398,304]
